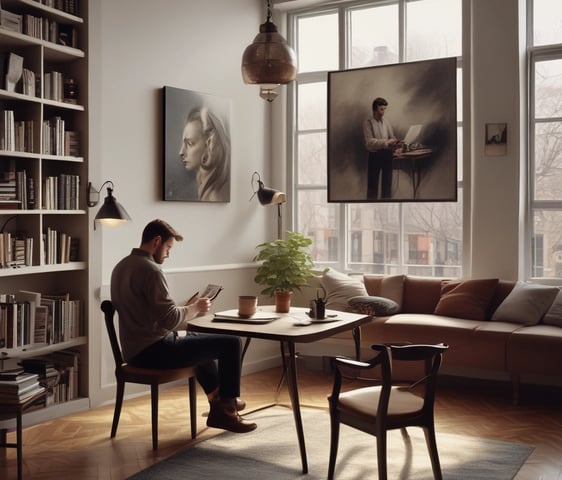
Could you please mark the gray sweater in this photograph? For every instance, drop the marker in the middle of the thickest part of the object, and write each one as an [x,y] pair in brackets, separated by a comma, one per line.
[140,294]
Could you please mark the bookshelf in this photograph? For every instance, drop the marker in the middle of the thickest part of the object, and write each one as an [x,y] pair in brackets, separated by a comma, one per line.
[43,175]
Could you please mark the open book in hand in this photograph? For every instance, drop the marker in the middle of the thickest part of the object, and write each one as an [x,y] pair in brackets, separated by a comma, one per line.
[211,291]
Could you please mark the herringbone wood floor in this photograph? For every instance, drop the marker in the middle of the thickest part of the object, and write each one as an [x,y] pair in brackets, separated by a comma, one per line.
[78,446]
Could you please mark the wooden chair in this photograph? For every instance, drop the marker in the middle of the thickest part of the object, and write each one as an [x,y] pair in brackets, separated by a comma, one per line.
[153,377]
[377,409]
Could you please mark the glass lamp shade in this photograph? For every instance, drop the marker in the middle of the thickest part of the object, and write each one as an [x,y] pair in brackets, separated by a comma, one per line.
[269,61]
[112,213]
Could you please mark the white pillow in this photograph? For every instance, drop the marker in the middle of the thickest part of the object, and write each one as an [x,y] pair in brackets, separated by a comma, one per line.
[554,314]
[340,287]
[526,304]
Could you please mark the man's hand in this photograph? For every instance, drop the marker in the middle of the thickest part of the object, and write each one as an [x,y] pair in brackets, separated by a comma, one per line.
[202,305]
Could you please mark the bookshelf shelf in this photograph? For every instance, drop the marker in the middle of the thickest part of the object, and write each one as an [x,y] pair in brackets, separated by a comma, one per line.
[43,173]
[57,267]
[33,351]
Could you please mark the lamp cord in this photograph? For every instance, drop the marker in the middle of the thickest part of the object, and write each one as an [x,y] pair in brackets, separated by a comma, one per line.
[6,223]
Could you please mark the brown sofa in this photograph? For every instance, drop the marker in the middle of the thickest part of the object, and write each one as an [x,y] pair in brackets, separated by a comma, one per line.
[491,325]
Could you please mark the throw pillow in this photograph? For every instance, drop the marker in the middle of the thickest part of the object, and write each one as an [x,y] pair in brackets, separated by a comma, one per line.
[554,314]
[388,286]
[371,305]
[526,304]
[466,299]
[340,287]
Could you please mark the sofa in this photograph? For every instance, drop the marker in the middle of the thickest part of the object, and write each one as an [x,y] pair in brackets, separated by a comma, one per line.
[492,326]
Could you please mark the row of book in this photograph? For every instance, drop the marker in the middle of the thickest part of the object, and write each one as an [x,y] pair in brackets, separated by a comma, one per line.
[58,141]
[61,192]
[16,250]
[59,373]
[68,6]
[30,318]
[59,247]
[19,136]
[39,27]
[56,87]
[18,386]
[18,193]
[55,374]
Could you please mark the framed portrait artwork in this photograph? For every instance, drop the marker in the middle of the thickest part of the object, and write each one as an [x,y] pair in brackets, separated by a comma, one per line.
[392,133]
[196,147]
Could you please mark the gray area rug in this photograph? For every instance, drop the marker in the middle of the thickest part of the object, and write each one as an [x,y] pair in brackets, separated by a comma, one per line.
[271,452]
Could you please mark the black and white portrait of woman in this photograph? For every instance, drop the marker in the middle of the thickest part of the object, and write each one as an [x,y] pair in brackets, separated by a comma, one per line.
[196,147]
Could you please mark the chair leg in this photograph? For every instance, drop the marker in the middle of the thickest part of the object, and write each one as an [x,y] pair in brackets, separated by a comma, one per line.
[334,440]
[118,404]
[193,405]
[431,442]
[381,455]
[154,401]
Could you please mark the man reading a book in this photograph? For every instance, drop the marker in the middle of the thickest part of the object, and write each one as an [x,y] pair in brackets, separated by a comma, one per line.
[149,321]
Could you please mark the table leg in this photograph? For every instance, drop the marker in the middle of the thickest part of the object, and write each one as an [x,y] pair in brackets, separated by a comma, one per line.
[356,332]
[245,349]
[292,385]
[19,443]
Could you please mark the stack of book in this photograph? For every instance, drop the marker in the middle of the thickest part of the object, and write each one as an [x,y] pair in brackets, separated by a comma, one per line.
[17,386]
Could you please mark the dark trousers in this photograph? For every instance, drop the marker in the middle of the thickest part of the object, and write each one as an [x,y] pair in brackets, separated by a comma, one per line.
[201,351]
[380,161]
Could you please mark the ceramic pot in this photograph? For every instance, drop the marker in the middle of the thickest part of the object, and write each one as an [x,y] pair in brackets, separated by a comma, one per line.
[283,301]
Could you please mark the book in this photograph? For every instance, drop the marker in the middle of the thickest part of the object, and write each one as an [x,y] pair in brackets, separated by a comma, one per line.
[211,291]
[21,397]
[19,383]
[11,374]
[14,70]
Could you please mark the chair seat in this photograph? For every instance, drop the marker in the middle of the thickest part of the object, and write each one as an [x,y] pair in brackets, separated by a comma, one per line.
[364,401]
[161,375]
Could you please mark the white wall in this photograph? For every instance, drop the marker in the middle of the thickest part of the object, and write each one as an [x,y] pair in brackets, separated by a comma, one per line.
[136,48]
[495,91]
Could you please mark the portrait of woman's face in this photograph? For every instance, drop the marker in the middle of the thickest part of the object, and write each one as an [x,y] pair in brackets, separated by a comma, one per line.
[196,147]
[193,145]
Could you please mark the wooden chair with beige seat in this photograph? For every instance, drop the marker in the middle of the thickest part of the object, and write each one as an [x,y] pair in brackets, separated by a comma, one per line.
[390,405]
[126,373]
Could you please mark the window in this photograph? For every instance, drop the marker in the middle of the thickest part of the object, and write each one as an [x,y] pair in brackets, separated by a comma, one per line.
[416,238]
[545,139]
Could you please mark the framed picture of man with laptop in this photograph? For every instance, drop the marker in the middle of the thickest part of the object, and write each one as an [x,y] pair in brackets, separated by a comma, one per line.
[392,133]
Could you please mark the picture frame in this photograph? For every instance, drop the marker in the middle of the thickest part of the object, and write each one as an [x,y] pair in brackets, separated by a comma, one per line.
[422,111]
[496,139]
[196,146]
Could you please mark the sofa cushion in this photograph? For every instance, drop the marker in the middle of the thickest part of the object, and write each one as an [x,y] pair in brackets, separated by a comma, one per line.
[388,286]
[371,305]
[466,299]
[526,304]
[340,288]
[421,294]
[554,314]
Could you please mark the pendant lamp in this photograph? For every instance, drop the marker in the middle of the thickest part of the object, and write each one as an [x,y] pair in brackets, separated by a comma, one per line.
[269,61]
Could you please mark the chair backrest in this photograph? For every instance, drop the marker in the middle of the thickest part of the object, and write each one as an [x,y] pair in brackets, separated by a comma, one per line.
[430,355]
[109,311]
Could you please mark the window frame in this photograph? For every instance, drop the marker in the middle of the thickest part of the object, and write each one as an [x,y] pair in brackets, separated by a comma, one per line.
[295,187]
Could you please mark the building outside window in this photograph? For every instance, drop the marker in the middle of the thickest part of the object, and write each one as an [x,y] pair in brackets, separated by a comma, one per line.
[545,139]
[389,238]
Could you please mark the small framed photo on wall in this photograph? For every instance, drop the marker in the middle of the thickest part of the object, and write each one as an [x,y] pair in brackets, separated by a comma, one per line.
[496,139]
[196,147]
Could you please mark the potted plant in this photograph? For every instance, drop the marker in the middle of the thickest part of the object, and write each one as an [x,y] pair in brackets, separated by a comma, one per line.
[287,266]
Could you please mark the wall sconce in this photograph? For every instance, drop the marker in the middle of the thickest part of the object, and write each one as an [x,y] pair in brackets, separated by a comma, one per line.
[269,61]
[269,196]
[111,212]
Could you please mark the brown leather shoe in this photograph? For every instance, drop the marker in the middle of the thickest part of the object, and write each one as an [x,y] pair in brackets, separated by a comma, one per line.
[240,404]
[224,415]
